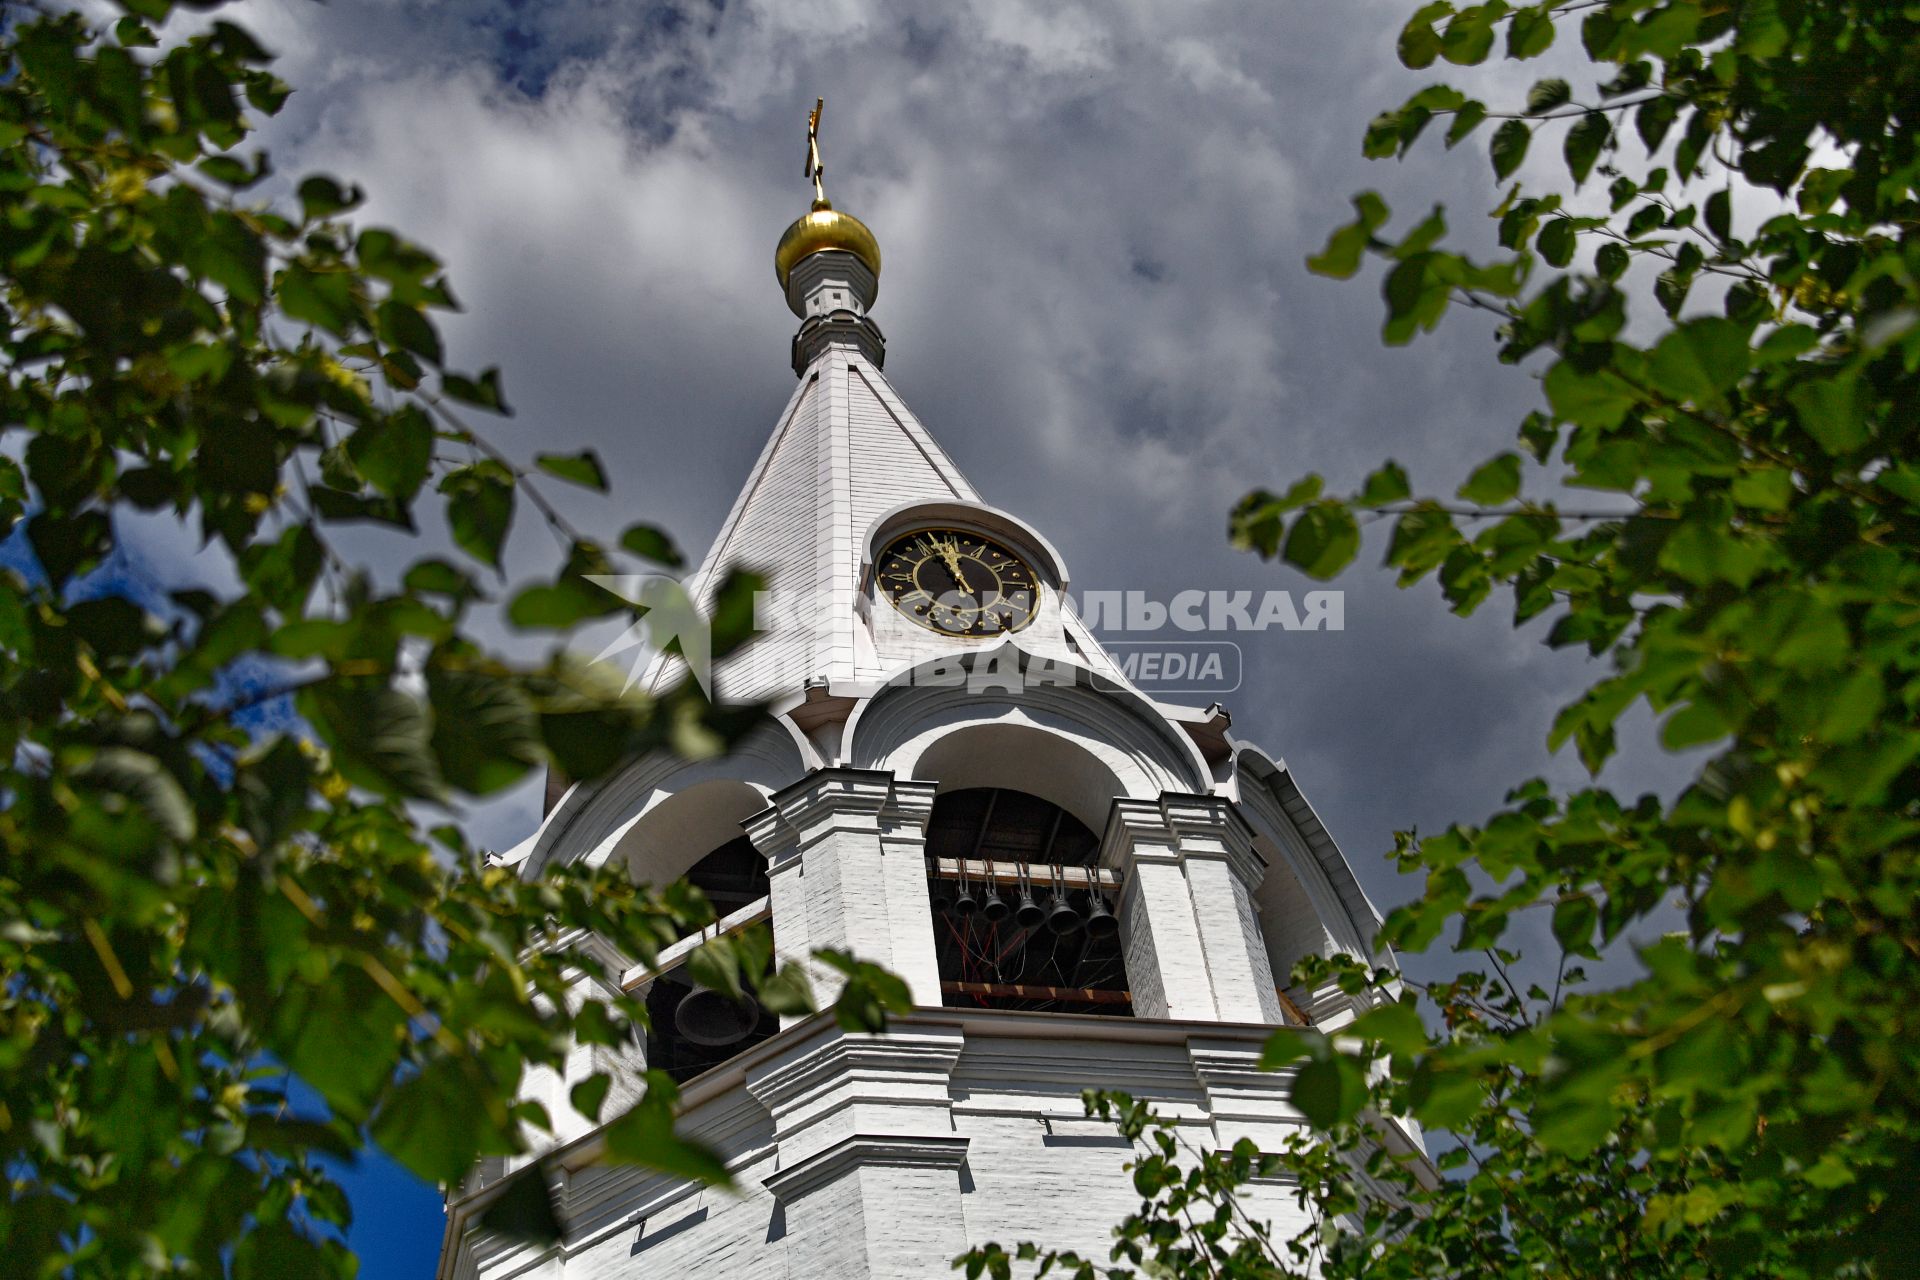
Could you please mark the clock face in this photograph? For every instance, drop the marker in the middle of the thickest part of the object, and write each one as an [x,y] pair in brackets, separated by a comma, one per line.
[958,583]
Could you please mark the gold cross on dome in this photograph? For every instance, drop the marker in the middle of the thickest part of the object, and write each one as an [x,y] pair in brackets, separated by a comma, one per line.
[816,170]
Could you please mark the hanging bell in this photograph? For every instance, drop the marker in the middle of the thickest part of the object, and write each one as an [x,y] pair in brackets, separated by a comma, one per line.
[937,898]
[965,904]
[715,1019]
[1028,914]
[1101,922]
[995,909]
[1063,919]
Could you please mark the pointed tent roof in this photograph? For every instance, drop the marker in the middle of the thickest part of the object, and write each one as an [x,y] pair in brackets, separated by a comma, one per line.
[845,451]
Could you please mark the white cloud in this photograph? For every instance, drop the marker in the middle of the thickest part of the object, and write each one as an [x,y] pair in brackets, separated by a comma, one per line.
[1094,219]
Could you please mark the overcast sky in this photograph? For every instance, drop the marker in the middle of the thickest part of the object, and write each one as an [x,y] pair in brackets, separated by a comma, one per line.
[1094,219]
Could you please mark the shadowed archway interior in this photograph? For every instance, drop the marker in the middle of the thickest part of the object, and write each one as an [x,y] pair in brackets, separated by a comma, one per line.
[1017,928]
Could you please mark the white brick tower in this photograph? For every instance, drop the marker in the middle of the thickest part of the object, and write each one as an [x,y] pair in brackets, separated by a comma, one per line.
[1083,887]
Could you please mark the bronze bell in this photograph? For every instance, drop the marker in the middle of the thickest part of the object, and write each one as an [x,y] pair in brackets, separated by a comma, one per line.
[1063,919]
[1028,914]
[995,909]
[715,1019]
[1101,922]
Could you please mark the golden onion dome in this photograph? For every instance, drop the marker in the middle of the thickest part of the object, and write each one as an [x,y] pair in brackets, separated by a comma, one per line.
[822,229]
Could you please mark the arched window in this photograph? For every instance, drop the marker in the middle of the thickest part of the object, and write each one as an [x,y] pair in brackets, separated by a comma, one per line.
[1022,917]
[693,1029]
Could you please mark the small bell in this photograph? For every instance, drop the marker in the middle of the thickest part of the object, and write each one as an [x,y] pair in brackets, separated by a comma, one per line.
[1063,919]
[995,909]
[965,904]
[1028,914]
[715,1019]
[1101,922]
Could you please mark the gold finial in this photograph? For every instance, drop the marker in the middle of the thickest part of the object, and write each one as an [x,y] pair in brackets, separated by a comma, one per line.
[815,170]
[824,227]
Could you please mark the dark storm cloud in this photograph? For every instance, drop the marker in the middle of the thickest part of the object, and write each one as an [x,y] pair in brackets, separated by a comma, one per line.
[1094,219]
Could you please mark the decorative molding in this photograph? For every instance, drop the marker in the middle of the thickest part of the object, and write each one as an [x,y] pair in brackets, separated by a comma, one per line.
[908,710]
[908,809]
[923,1053]
[862,1150]
[834,799]
[1175,827]
[591,814]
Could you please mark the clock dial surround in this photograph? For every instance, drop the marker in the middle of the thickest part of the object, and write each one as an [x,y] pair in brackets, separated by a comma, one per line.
[958,583]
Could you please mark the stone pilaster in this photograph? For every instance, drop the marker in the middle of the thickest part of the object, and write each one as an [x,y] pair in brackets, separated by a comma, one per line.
[1166,965]
[1223,872]
[869,1181]
[903,842]
[779,844]
[1242,1100]
[846,864]
[1188,919]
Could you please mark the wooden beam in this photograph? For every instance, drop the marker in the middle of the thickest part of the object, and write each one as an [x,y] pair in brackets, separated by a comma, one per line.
[675,953]
[1006,872]
[1025,991]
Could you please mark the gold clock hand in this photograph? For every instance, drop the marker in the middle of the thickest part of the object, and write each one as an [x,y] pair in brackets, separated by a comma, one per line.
[951,554]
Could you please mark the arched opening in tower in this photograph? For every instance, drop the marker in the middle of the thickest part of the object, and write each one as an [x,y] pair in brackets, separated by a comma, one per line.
[695,1029]
[1023,919]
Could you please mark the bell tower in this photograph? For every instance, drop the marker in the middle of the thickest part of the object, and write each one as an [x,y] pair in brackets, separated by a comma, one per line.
[1082,886]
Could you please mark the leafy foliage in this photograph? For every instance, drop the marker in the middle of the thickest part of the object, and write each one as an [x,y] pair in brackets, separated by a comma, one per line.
[1718,283]
[201,914]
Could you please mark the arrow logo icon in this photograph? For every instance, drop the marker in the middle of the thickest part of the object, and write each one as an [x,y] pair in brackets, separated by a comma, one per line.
[669,617]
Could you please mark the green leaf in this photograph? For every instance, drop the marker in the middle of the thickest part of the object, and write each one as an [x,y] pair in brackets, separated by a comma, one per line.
[1329,1090]
[1610,261]
[1419,43]
[1828,409]
[1556,241]
[145,781]
[1700,361]
[650,543]
[868,994]
[1589,135]
[483,392]
[645,1136]
[581,468]
[1719,214]
[378,734]
[1547,95]
[1289,1045]
[1509,147]
[590,1095]
[1323,540]
[524,1210]
[1387,485]
[1396,1026]
[1493,482]
[485,736]
[394,452]
[329,300]
[430,1124]
[1588,399]
[480,508]
[322,197]
[1764,489]
[1341,258]
[1465,121]
[1574,918]
[1530,32]
[407,327]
